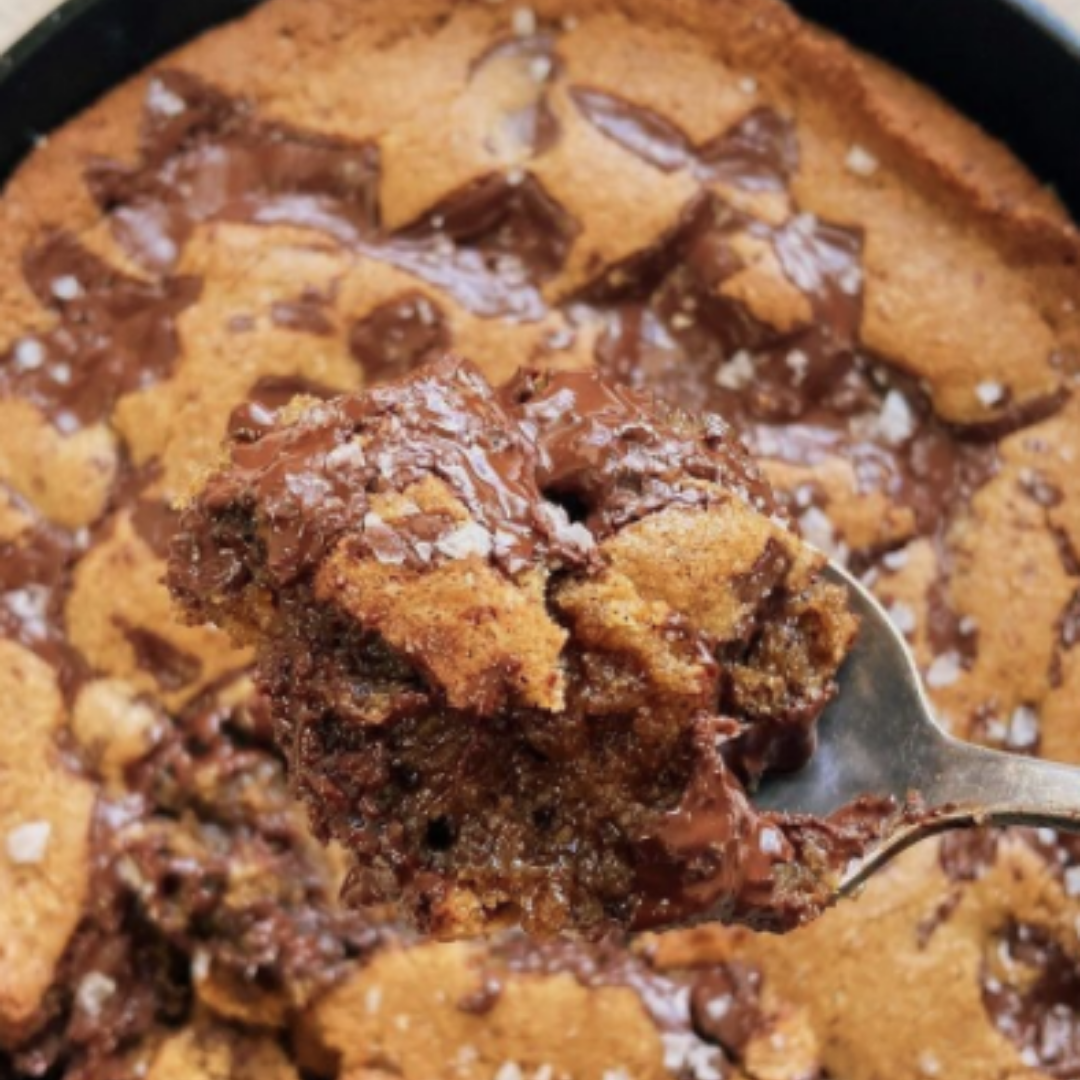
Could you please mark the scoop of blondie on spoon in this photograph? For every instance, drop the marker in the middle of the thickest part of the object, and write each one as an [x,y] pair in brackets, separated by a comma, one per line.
[880,736]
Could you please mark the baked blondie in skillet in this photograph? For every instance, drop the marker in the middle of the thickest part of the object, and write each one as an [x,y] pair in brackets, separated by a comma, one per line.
[226,231]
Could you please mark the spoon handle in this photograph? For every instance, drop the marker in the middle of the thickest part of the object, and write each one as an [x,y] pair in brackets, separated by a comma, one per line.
[970,785]
[988,787]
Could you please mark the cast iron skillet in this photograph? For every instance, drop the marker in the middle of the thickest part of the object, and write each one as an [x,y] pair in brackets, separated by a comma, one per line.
[1009,64]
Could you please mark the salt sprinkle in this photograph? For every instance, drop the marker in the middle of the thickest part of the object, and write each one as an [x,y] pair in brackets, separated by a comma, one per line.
[944,671]
[929,1065]
[737,373]
[402,1023]
[468,539]
[1023,728]
[851,281]
[771,842]
[683,1053]
[861,162]
[967,625]
[681,321]
[348,455]
[515,177]
[990,393]
[817,529]
[29,354]
[27,843]
[617,1074]
[540,68]
[896,422]
[748,85]
[1072,881]
[569,22]
[895,560]
[509,1070]
[61,373]
[1047,836]
[162,100]
[373,1000]
[524,21]
[425,312]
[545,1072]
[200,966]
[902,617]
[797,362]
[94,990]
[717,1008]
[66,287]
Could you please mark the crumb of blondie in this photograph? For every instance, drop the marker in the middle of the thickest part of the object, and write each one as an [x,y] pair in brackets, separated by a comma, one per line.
[528,650]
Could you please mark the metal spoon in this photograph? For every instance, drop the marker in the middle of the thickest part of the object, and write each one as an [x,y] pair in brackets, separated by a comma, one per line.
[880,737]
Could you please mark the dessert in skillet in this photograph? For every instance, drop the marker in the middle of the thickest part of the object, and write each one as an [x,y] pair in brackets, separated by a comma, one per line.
[709,200]
[507,713]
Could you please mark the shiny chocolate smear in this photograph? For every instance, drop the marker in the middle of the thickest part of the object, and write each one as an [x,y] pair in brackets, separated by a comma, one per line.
[488,246]
[208,157]
[35,573]
[115,334]
[1031,991]
[759,154]
[398,337]
[799,394]
[533,128]
[266,399]
[311,479]
[205,156]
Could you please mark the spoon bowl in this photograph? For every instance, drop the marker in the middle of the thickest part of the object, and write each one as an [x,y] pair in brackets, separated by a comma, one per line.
[880,737]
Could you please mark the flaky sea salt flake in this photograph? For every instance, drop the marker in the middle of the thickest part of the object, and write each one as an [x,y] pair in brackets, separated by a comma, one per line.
[861,162]
[29,354]
[27,843]
[990,393]
[66,287]
[93,992]
[523,21]
[736,373]
[468,539]
[944,671]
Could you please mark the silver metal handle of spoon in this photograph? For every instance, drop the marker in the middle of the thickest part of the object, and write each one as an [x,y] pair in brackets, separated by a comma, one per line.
[975,786]
[880,737]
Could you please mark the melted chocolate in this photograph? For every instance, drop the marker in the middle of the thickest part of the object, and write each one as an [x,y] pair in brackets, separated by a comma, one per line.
[398,337]
[361,717]
[617,452]
[207,157]
[35,573]
[533,128]
[172,668]
[706,1015]
[311,480]
[1031,991]
[266,399]
[760,153]
[115,335]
